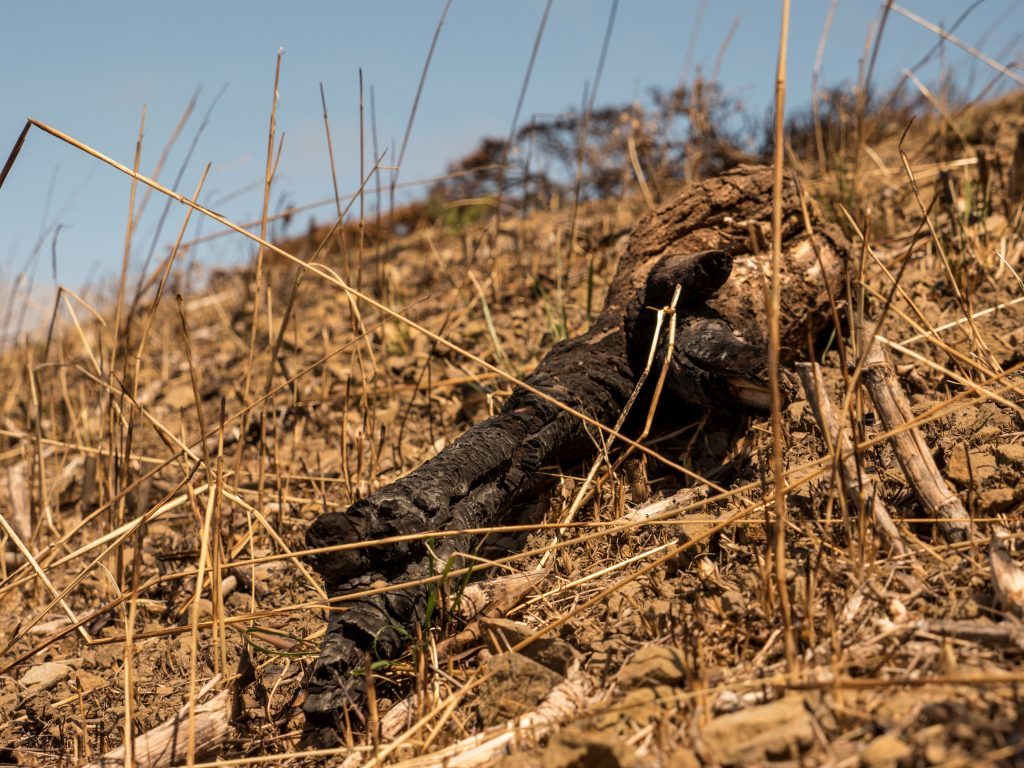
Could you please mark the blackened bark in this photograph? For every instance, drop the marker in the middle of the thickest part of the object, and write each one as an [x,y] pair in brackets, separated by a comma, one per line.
[465,486]
[709,240]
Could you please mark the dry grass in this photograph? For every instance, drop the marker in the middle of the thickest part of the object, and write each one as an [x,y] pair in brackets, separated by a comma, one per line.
[161,461]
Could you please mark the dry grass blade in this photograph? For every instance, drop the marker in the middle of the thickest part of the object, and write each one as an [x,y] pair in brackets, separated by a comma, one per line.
[419,93]
[129,232]
[959,44]
[772,300]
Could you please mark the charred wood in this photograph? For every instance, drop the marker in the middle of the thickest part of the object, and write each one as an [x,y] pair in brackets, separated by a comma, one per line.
[710,240]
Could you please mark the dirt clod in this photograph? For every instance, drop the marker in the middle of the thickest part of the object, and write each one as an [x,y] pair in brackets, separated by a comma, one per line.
[44,676]
[885,751]
[573,748]
[552,652]
[780,729]
[516,686]
[653,665]
[966,465]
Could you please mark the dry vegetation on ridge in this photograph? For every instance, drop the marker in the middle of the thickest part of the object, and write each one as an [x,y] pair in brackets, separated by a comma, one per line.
[908,649]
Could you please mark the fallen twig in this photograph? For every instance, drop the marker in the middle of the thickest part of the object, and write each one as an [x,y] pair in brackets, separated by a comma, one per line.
[857,484]
[564,702]
[913,453]
[1007,575]
[1005,633]
[167,744]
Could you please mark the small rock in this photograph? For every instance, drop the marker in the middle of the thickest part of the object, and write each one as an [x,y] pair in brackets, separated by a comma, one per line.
[573,748]
[885,751]
[641,705]
[981,466]
[653,665]
[748,736]
[88,681]
[205,609]
[555,654]
[1010,453]
[8,702]
[659,609]
[987,434]
[797,411]
[44,676]
[935,753]
[995,501]
[903,706]
[995,225]
[734,602]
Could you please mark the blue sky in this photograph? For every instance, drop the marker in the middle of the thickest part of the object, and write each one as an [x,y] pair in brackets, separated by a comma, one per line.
[88,68]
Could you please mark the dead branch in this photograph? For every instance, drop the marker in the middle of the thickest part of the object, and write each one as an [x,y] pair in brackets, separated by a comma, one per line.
[858,486]
[167,744]
[908,443]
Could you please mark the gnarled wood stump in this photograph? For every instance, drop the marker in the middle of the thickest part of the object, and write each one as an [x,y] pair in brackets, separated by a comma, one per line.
[711,240]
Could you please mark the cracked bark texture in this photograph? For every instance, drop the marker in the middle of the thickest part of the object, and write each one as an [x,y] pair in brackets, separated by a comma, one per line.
[711,240]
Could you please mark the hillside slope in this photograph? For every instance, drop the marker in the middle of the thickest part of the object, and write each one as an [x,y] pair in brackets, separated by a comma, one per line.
[908,647]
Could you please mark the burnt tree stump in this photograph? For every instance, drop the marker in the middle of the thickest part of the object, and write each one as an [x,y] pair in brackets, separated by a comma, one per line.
[712,240]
